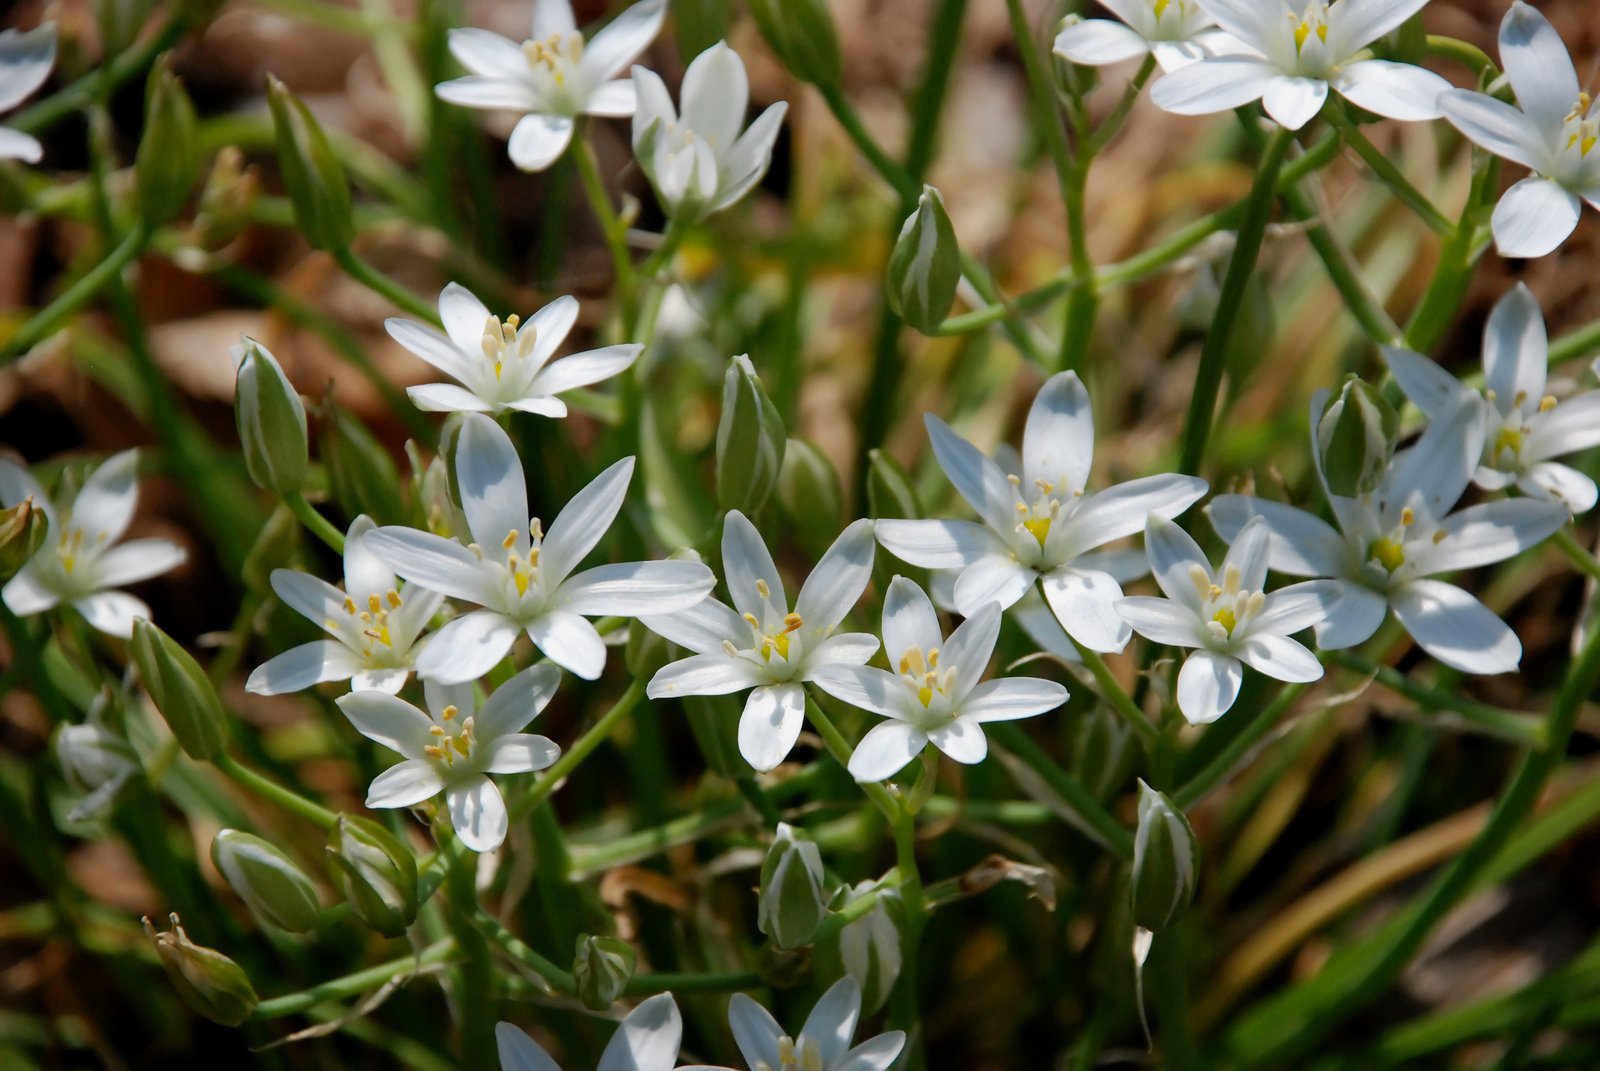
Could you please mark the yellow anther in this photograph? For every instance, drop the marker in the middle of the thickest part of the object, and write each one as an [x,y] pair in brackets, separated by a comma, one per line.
[449,713]
[933,658]
[1547,403]
[792,621]
[1014,480]
[510,540]
[536,529]
[436,730]
[750,619]
[374,604]
[1213,591]
[349,605]
[394,599]
[1438,537]
[1231,576]
[1407,517]
[762,589]
[729,648]
[433,751]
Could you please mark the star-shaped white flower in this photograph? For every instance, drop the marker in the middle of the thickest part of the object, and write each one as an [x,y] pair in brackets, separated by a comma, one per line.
[823,1044]
[646,1040]
[760,643]
[1042,524]
[1298,55]
[1226,615]
[375,625]
[1553,134]
[453,747]
[1390,542]
[1176,32]
[81,561]
[699,162]
[506,364]
[1526,429]
[935,697]
[554,76]
[522,577]
[25,62]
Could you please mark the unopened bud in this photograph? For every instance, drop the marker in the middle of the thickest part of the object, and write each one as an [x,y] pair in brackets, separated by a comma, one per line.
[889,490]
[22,531]
[925,266]
[1356,436]
[268,881]
[274,544]
[809,492]
[271,420]
[95,761]
[602,967]
[792,902]
[802,35]
[1166,862]
[867,949]
[209,982]
[311,172]
[375,873]
[1103,752]
[180,690]
[361,474]
[168,160]
[225,201]
[750,440]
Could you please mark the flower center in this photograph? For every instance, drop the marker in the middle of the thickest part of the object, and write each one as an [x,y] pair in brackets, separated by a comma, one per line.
[920,670]
[70,548]
[806,1056]
[1582,132]
[1228,605]
[1036,516]
[774,640]
[501,342]
[1389,550]
[1314,20]
[554,55]
[522,569]
[374,620]
[452,736]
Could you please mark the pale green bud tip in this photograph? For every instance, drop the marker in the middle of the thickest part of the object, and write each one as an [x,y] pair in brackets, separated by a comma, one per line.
[602,967]
[22,531]
[271,420]
[1356,437]
[267,880]
[311,171]
[1166,861]
[181,691]
[209,982]
[168,160]
[802,34]
[375,872]
[792,902]
[925,265]
[750,440]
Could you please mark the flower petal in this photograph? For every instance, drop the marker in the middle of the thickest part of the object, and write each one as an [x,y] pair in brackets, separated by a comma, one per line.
[26,594]
[517,753]
[1354,24]
[537,141]
[613,48]
[15,145]
[715,673]
[479,814]
[908,620]
[301,667]
[747,161]
[1280,658]
[649,1036]
[488,54]
[1456,628]
[962,740]
[1561,483]
[770,724]
[631,588]
[845,648]
[105,505]
[886,750]
[518,701]
[992,579]
[430,561]
[1058,440]
[389,681]
[494,494]
[976,478]
[716,92]
[1294,102]
[1489,533]
[1534,217]
[832,1022]
[1162,620]
[702,628]
[748,565]
[1298,606]
[569,641]
[1495,125]
[1208,684]
[583,521]
[1540,69]
[18,484]
[136,560]
[1352,617]
[967,652]
[25,61]
[582,369]
[519,1052]
[838,580]
[938,544]
[865,687]
[432,346]
[405,784]
[1516,348]
[1432,389]
[1213,85]
[1121,511]
[1010,698]
[552,18]
[617,99]
[388,720]
[447,398]
[1571,426]
[467,648]
[475,91]
[1173,555]
[112,612]
[755,1031]
[1084,603]
[874,1054]
[1397,90]
[1099,42]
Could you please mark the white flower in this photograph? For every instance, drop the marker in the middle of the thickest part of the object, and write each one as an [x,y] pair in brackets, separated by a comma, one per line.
[1525,427]
[761,644]
[935,697]
[81,561]
[699,163]
[1226,615]
[25,62]
[1553,134]
[95,761]
[1298,54]
[823,1044]
[1175,32]
[522,577]
[375,624]
[503,364]
[646,1040]
[1042,523]
[1391,541]
[554,76]
[453,747]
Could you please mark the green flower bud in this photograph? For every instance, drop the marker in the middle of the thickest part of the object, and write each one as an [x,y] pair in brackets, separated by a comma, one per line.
[802,35]
[209,982]
[267,880]
[22,531]
[225,201]
[311,172]
[96,761]
[889,490]
[1356,436]
[867,949]
[180,690]
[1103,751]
[1166,862]
[809,492]
[274,544]
[699,24]
[271,420]
[925,265]
[750,440]
[792,902]
[168,160]
[602,967]
[375,873]
[361,474]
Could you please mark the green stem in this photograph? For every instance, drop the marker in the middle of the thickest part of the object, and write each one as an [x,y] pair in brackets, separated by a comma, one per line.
[845,114]
[559,980]
[48,320]
[1577,343]
[1113,123]
[1214,354]
[612,228]
[1262,721]
[579,751]
[840,749]
[1525,729]
[385,287]
[65,101]
[1342,269]
[286,798]
[1112,692]
[1576,552]
[1385,169]
[355,984]
[1105,828]
[906,1009]
[1461,52]
[314,522]
[1166,976]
